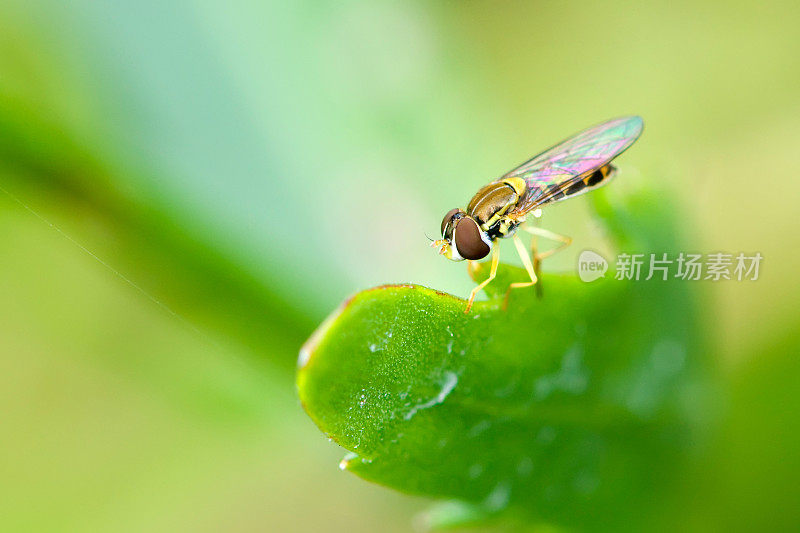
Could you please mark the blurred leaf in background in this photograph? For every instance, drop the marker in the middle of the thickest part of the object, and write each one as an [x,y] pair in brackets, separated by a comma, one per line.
[250,164]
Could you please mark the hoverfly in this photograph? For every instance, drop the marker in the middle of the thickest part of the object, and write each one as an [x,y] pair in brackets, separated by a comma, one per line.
[574,166]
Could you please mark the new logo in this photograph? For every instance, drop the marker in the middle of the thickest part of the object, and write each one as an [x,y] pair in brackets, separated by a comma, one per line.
[591,266]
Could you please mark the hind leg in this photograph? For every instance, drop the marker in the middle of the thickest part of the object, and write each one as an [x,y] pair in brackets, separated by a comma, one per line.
[526,260]
[538,257]
[540,232]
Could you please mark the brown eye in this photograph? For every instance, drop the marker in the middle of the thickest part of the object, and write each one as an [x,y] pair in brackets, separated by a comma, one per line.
[468,240]
[447,218]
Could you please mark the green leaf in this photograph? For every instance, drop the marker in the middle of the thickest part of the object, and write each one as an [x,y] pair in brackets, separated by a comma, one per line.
[566,408]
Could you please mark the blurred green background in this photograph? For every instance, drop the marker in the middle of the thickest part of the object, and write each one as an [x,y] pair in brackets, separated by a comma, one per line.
[247,165]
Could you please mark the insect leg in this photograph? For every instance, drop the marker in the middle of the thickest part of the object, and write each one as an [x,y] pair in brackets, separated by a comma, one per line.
[540,232]
[526,260]
[537,232]
[535,250]
[492,274]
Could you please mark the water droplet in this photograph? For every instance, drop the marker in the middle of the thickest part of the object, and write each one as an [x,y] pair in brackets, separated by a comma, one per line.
[346,460]
[572,377]
[546,435]
[586,483]
[479,428]
[450,382]
[498,498]
[525,466]
[475,471]
[508,389]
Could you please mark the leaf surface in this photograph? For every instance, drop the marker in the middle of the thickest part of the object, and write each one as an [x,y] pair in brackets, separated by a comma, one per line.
[559,407]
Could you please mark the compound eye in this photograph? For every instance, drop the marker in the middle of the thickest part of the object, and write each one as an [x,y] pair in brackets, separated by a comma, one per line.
[468,240]
[447,218]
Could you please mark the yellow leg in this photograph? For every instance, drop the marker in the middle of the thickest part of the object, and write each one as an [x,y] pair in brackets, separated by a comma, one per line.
[526,260]
[492,274]
[539,232]
[535,250]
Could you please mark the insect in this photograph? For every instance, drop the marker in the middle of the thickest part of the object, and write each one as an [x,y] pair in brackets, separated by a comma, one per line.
[574,166]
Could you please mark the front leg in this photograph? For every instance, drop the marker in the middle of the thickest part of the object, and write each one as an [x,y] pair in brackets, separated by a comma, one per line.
[492,274]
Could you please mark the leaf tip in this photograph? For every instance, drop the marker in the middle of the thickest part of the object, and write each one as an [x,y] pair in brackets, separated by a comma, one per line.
[308,348]
[313,342]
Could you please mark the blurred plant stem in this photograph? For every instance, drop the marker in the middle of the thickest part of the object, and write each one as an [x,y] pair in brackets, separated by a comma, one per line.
[43,167]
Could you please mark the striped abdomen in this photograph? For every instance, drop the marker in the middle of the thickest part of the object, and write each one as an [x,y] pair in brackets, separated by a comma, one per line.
[561,190]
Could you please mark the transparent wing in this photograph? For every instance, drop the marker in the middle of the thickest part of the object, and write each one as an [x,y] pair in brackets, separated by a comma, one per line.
[571,167]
